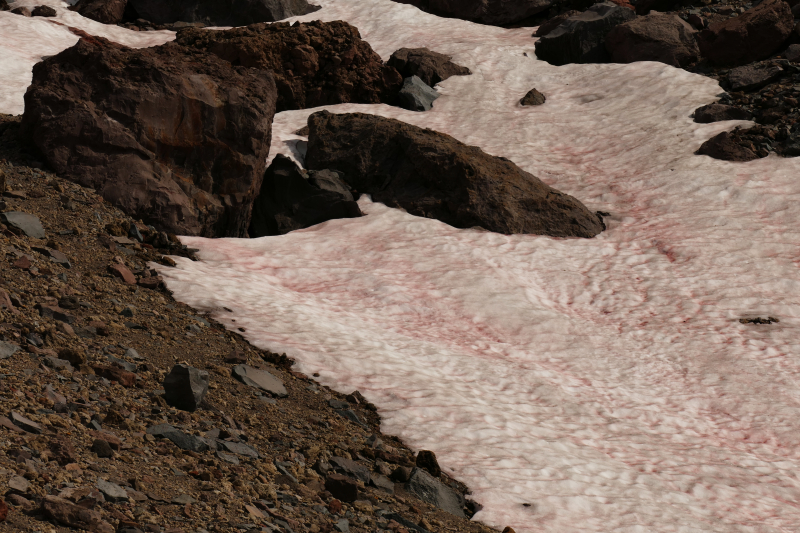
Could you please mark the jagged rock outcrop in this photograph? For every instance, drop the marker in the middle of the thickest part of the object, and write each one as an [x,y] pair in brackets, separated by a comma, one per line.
[292,198]
[429,66]
[662,37]
[430,174]
[314,64]
[220,12]
[174,136]
[496,12]
[581,38]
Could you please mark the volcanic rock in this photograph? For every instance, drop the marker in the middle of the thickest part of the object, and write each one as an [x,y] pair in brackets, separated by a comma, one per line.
[754,35]
[27,224]
[289,199]
[25,423]
[792,53]
[43,11]
[431,67]
[724,147]
[717,112]
[220,12]
[791,146]
[580,38]
[415,95]
[662,37]
[182,440]
[553,23]
[239,448]
[186,148]
[533,97]
[350,468]
[68,514]
[431,490]
[105,11]
[314,64]
[342,487]
[185,387]
[433,175]
[102,448]
[260,379]
[426,459]
[751,77]
[495,12]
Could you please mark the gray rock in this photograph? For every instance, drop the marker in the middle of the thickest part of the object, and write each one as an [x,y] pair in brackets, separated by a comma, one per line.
[381,482]
[260,379]
[7,349]
[751,77]
[239,449]
[283,468]
[717,112]
[185,387]
[182,440]
[19,484]
[24,423]
[429,66]
[343,526]
[581,38]
[183,499]
[431,490]
[27,224]
[56,363]
[130,353]
[533,97]
[416,95]
[102,448]
[228,458]
[793,52]
[112,491]
[130,367]
[351,468]
[338,404]
[351,415]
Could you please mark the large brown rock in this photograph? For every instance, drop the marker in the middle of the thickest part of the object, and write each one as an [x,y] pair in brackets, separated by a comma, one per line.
[105,11]
[431,67]
[725,146]
[220,12]
[662,37]
[433,175]
[754,35]
[496,12]
[69,514]
[174,136]
[315,63]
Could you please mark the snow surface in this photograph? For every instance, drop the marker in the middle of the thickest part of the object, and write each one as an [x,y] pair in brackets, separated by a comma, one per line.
[600,385]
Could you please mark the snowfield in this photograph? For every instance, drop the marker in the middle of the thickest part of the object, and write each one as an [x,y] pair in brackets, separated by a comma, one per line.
[601,385]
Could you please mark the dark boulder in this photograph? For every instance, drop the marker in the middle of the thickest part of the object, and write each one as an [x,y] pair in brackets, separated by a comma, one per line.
[553,23]
[433,175]
[174,136]
[432,491]
[754,35]
[292,199]
[314,64]
[24,11]
[581,38]
[185,387]
[220,12]
[752,77]
[426,459]
[496,12]
[725,147]
[533,97]
[4,5]
[792,53]
[662,37]
[415,95]
[718,112]
[431,67]
[105,11]
[43,11]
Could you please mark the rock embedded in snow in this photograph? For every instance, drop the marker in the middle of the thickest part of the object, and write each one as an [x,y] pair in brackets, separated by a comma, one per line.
[104,11]
[581,38]
[662,37]
[426,460]
[43,11]
[496,12]
[533,97]
[724,146]
[429,66]
[290,199]
[752,77]
[260,379]
[30,225]
[182,144]
[718,112]
[416,95]
[314,64]
[220,12]
[752,36]
[185,387]
[24,11]
[429,489]
[553,23]
[433,175]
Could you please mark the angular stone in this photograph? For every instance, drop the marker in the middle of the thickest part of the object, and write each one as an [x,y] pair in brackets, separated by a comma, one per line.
[24,423]
[104,11]
[432,491]
[351,468]
[718,112]
[792,53]
[27,224]
[24,11]
[8,424]
[581,38]
[183,499]
[228,458]
[553,23]
[185,387]
[426,459]
[75,356]
[342,487]
[102,448]
[429,66]
[43,11]
[533,97]
[56,313]
[381,482]
[63,451]
[260,379]
[662,37]
[220,12]
[68,514]
[19,484]
[7,349]
[182,440]
[112,440]
[751,77]
[431,174]
[723,146]
[415,95]
[112,491]
[123,272]
[56,363]
[239,448]
[112,373]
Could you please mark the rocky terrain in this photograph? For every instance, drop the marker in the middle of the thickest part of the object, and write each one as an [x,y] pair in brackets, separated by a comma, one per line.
[124,410]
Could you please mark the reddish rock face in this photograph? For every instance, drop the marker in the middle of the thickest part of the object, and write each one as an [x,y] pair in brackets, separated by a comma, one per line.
[433,175]
[314,64]
[662,37]
[754,35]
[174,136]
